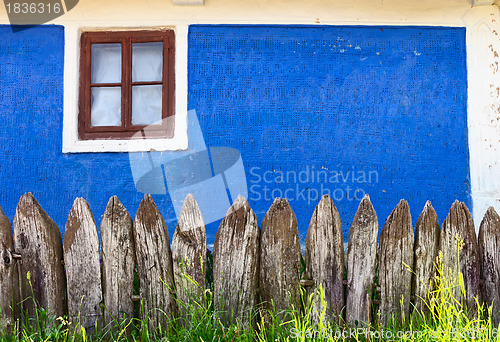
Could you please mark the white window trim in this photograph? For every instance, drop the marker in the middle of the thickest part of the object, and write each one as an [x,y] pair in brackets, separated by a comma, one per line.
[71,142]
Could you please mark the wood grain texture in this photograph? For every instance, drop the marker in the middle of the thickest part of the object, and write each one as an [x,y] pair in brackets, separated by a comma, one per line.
[361,263]
[189,250]
[280,258]
[459,223]
[83,267]
[38,239]
[489,254]
[236,263]
[154,264]
[118,262]
[325,259]
[396,256]
[7,273]
[425,253]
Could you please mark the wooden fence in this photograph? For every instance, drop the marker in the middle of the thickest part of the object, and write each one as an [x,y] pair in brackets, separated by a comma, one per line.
[251,266]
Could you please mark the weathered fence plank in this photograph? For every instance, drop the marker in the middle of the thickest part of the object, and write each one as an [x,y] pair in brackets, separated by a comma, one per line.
[189,251]
[118,262]
[361,263]
[459,223]
[489,253]
[395,257]
[7,292]
[38,239]
[280,258]
[236,263]
[426,251]
[83,268]
[324,259]
[154,264]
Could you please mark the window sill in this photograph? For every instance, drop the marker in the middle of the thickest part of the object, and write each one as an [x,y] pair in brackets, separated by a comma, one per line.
[146,145]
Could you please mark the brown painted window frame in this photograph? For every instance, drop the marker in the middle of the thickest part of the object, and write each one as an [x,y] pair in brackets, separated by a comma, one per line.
[127,130]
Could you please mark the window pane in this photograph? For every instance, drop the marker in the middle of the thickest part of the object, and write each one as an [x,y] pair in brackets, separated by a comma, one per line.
[106,107]
[146,105]
[106,63]
[147,62]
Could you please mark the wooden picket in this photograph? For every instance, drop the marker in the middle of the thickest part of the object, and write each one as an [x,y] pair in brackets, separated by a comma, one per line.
[118,262]
[38,240]
[279,259]
[395,262]
[489,253]
[324,259]
[7,275]
[361,263]
[236,263]
[252,268]
[189,253]
[83,269]
[458,229]
[425,253]
[154,264]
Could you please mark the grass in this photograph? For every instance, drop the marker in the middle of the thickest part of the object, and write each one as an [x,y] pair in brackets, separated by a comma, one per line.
[446,320]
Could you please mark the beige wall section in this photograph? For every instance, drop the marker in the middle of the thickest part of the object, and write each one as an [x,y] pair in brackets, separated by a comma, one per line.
[483,49]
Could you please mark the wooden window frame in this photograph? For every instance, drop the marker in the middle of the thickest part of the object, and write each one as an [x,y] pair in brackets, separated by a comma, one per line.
[127,130]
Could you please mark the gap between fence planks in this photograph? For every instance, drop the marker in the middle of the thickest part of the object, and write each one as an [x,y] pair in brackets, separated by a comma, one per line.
[37,245]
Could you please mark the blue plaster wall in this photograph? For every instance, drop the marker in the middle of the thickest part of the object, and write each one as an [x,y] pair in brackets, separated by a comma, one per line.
[386,101]
[291,99]
[31,117]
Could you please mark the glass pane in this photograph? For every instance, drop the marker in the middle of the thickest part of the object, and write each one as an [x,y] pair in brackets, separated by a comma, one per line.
[147,62]
[146,105]
[106,107]
[106,63]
